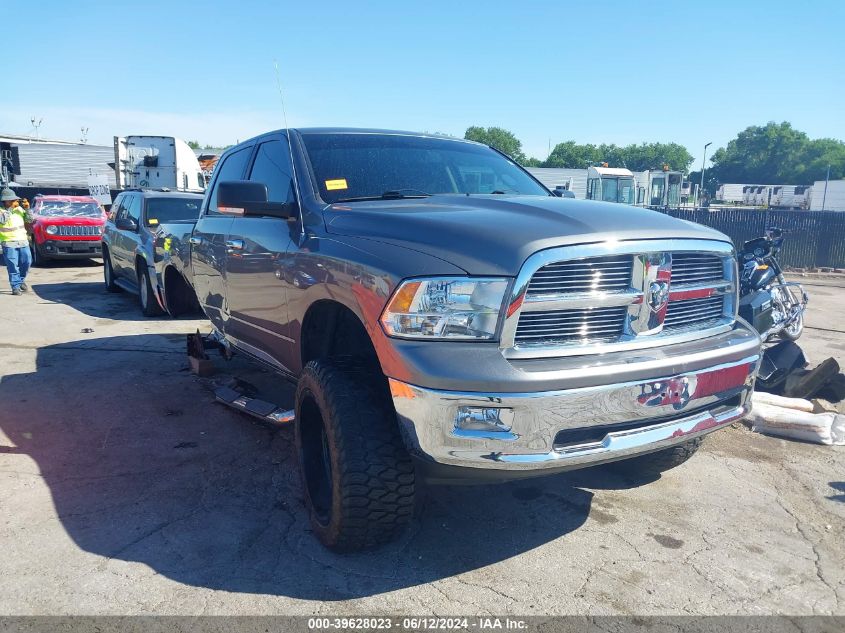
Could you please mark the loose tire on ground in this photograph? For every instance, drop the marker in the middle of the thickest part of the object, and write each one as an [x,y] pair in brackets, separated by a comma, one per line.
[146,295]
[659,461]
[357,476]
[108,273]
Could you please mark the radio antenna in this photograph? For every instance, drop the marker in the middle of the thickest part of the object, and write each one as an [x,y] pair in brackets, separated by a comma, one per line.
[290,145]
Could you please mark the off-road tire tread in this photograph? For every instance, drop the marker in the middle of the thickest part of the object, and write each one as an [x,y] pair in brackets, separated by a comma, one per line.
[372,472]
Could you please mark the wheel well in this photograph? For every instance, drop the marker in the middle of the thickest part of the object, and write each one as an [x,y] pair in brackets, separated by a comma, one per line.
[330,329]
[140,264]
[178,293]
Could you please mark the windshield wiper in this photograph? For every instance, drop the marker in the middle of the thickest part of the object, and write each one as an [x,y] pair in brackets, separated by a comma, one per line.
[390,194]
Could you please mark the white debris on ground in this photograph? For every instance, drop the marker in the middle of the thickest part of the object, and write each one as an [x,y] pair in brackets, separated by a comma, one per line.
[794,418]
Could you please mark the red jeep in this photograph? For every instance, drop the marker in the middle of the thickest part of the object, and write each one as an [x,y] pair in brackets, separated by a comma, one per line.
[65,227]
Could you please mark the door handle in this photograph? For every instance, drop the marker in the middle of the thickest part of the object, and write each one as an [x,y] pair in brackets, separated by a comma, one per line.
[196,240]
[235,245]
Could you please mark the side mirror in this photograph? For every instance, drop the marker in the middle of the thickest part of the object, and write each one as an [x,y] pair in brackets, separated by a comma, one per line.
[126,224]
[558,192]
[245,197]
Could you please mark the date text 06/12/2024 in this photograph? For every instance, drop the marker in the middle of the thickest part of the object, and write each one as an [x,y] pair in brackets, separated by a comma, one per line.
[416,624]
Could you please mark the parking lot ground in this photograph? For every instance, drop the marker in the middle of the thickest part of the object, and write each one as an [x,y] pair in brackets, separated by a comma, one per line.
[124,489]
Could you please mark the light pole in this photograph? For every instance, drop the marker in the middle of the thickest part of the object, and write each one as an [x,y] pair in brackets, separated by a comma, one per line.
[703,158]
[826,180]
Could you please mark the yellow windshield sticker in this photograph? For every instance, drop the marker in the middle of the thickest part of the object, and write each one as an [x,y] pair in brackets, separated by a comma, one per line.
[333,185]
[152,221]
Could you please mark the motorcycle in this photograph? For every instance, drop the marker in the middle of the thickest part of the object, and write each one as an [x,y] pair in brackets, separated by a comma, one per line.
[774,306]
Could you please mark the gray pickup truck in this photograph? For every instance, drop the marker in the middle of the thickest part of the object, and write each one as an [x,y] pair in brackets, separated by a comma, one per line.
[446,317]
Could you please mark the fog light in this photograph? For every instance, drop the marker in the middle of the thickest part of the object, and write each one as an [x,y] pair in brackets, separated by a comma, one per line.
[484,419]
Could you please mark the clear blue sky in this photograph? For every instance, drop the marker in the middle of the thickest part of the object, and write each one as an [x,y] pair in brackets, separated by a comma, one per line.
[617,72]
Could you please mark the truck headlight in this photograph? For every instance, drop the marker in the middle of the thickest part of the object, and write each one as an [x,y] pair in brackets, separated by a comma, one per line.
[445,308]
[51,229]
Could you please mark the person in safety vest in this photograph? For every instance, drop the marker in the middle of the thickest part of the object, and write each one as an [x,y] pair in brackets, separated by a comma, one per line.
[14,241]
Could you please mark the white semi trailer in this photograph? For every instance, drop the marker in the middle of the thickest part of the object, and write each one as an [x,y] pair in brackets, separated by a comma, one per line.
[156,162]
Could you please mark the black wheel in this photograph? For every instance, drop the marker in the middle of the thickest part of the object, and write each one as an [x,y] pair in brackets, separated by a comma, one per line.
[358,477]
[108,273]
[146,295]
[659,461]
[37,258]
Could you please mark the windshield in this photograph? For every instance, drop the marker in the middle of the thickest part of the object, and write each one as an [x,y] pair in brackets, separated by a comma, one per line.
[52,208]
[349,166]
[163,210]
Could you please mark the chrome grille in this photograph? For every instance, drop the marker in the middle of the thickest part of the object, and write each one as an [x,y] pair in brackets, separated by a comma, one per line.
[586,324]
[693,311]
[624,295]
[70,230]
[696,268]
[600,274]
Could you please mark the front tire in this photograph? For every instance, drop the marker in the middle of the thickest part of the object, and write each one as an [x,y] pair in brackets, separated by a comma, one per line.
[794,330]
[146,296]
[108,273]
[37,258]
[357,476]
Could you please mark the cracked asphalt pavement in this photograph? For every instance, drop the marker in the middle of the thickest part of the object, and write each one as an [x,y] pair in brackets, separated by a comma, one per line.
[124,489]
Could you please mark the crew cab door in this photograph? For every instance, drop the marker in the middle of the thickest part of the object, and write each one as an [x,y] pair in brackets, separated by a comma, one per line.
[255,255]
[123,243]
[208,242]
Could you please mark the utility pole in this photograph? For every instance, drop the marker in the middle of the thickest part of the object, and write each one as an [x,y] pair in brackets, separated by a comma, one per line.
[826,180]
[36,125]
[703,158]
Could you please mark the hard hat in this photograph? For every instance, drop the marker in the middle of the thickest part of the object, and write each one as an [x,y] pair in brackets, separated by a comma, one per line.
[7,195]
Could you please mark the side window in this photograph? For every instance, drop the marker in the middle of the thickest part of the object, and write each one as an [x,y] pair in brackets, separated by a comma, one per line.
[231,169]
[133,208]
[272,167]
[117,210]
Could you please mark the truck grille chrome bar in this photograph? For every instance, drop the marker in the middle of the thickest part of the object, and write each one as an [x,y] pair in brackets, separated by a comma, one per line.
[620,295]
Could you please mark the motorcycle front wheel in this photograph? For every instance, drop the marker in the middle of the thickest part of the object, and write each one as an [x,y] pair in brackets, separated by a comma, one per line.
[793,331]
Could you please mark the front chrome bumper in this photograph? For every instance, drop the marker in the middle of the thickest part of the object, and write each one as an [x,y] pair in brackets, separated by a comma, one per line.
[574,428]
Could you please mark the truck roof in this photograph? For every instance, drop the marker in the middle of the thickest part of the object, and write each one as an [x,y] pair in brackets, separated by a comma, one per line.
[353,130]
[159,193]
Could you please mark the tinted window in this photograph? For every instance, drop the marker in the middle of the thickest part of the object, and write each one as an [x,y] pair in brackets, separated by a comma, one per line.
[368,165]
[272,167]
[117,210]
[132,204]
[231,169]
[163,210]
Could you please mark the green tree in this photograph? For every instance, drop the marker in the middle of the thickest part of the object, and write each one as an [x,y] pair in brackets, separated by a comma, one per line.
[654,155]
[194,144]
[497,137]
[711,183]
[767,154]
[635,157]
[532,162]
[817,155]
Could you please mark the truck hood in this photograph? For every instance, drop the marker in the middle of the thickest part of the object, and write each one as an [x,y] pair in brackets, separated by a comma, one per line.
[494,235]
